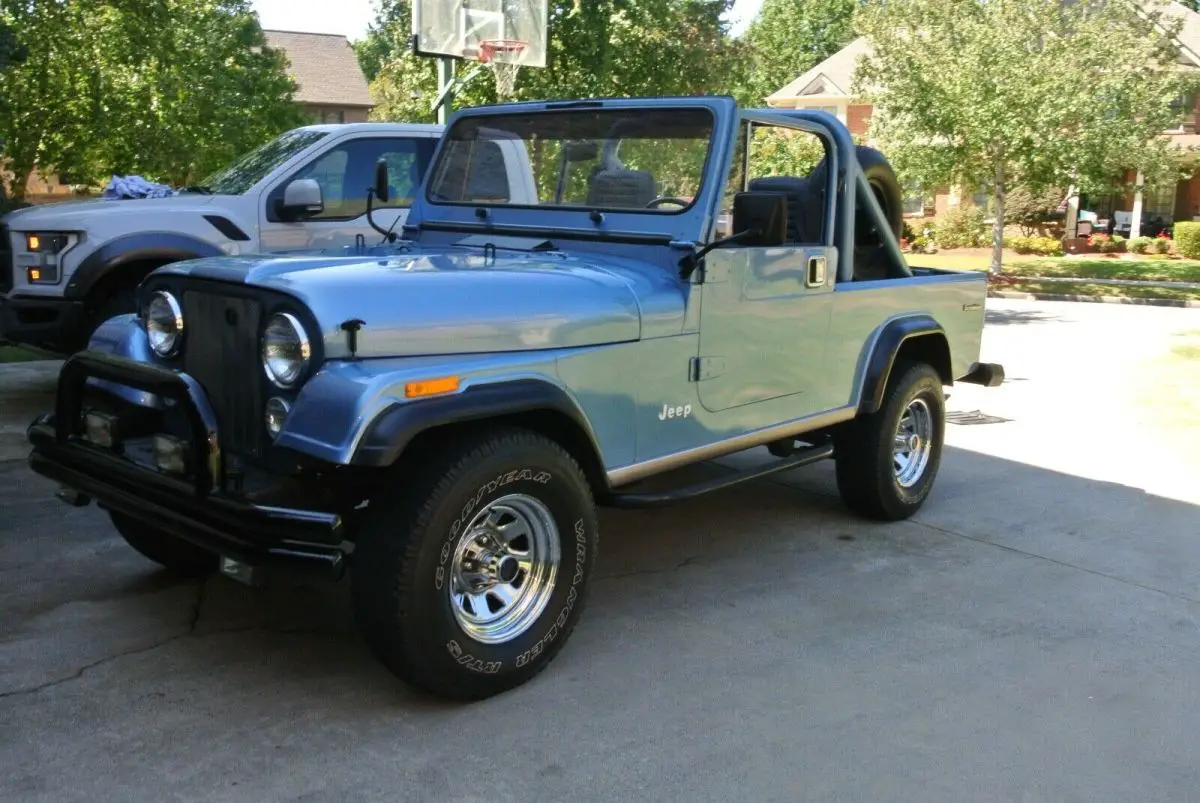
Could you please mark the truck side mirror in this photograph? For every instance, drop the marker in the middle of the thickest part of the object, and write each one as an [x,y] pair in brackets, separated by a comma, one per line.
[381,181]
[760,218]
[302,198]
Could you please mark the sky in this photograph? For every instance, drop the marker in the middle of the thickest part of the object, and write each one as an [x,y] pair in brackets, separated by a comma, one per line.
[351,17]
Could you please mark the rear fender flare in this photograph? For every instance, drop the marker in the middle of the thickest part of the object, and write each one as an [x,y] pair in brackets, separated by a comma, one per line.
[887,348]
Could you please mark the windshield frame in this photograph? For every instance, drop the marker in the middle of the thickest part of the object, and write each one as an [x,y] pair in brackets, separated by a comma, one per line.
[485,119]
[308,138]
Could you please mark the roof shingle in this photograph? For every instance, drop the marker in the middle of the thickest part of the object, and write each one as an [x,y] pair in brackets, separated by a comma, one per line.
[325,67]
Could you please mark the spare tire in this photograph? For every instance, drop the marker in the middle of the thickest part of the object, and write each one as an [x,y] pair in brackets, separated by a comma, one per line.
[883,181]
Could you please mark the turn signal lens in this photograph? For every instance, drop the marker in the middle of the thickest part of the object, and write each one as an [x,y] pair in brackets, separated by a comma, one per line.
[431,387]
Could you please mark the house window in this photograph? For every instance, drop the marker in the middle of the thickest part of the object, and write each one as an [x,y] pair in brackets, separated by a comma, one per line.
[914,198]
[333,116]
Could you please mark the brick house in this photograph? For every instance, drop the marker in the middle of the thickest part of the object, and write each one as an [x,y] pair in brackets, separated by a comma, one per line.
[331,83]
[827,86]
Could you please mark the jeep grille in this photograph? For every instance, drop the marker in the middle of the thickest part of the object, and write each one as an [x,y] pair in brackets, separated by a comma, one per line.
[222,354]
[6,261]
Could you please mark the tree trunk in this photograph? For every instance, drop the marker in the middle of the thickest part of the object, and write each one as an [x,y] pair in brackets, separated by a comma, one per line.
[20,181]
[998,226]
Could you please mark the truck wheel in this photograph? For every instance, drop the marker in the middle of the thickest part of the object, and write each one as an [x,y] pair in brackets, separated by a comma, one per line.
[470,583]
[887,461]
[173,553]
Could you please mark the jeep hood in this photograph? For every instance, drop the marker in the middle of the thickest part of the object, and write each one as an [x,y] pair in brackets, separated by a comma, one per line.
[454,300]
[75,215]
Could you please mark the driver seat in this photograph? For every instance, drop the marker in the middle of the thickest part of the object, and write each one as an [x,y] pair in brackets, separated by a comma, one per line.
[621,188]
[805,206]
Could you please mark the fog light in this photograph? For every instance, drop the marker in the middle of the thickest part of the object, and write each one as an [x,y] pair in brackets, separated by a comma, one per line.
[170,454]
[277,413]
[101,429]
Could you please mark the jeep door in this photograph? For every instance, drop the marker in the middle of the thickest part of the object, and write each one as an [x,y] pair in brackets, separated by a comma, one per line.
[344,173]
[765,311]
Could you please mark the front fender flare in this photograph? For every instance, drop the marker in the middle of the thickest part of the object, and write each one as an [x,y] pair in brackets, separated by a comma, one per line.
[390,432]
[883,356]
[167,246]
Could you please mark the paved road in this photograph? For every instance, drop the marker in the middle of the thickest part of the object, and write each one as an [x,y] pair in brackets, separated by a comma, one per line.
[1033,635]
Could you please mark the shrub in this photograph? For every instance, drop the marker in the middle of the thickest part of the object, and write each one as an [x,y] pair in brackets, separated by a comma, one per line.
[1162,244]
[1140,245]
[1187,239]
[1105,244]
[962,227]
[1042,246]
[1031,211]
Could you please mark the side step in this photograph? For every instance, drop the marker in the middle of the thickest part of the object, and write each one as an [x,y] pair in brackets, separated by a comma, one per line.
[813,454]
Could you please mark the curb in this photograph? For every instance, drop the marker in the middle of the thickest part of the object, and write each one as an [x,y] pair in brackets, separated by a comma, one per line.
[1111,282]
[1144,302]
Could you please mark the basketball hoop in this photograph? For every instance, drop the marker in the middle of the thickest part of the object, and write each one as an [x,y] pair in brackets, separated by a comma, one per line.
[505,67]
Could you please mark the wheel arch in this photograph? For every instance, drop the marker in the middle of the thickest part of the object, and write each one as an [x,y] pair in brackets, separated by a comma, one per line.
[413,428]
[918,338]
[96,270]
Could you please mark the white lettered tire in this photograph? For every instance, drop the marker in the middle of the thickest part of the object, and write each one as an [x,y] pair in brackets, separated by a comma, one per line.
[469,582]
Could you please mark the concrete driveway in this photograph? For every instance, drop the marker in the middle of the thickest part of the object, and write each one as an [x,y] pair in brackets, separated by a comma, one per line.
[1032,635]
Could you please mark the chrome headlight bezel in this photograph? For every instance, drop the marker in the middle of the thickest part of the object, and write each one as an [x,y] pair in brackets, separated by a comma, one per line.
[174,312]
[297,338]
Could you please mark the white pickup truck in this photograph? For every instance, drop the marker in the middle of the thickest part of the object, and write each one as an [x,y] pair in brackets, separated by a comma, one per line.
[67,267]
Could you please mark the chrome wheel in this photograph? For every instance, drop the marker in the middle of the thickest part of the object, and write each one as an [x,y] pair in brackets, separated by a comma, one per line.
[504,569]
[913,443]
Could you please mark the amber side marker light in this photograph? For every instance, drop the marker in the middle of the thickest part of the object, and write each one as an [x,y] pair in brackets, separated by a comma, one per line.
[431,387]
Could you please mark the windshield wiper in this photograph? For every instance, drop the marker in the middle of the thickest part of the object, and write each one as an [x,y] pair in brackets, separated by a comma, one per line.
[198,188]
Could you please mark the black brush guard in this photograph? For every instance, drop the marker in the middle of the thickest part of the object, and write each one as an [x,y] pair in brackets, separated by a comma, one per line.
[197,508]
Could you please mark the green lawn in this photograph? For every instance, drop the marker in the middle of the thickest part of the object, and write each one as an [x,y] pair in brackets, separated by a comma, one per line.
[1088,289]
[1151,270]
[14,354]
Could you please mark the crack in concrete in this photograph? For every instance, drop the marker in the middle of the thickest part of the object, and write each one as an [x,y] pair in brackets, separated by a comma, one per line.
[191,628]
[685,562]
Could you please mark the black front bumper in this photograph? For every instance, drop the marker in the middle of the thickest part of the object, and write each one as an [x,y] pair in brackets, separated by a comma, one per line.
[49,323]
[198,507]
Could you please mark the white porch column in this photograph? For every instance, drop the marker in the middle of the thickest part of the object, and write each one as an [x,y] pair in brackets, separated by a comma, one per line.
[1135,225]
[1072,211]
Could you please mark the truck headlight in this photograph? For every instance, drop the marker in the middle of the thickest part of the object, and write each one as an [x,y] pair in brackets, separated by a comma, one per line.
[164,323]
[285,349]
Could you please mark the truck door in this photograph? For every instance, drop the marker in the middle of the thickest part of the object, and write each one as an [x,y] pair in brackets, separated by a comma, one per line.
[765,311]
[345,172]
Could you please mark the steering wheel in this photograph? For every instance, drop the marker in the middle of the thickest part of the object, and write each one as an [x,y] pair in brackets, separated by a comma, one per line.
[666,199]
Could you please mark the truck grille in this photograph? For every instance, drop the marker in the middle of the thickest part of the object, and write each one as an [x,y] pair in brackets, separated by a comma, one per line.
[221,353]
[6,261]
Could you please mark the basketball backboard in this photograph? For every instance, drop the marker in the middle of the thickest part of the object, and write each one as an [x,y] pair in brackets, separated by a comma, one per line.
[462,29]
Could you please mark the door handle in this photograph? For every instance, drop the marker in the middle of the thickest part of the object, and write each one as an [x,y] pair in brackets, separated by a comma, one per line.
[816,272]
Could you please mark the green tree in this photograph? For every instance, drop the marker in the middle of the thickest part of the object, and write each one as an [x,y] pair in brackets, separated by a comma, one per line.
[170,89]
[788,37]
[1021,93]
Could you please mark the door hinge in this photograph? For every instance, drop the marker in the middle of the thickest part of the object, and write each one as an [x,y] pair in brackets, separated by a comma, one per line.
[702,368]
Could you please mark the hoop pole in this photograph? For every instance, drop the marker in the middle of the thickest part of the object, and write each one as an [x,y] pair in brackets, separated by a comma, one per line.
[445,98]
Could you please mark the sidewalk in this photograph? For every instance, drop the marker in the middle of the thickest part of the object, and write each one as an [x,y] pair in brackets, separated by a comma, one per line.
[26,389]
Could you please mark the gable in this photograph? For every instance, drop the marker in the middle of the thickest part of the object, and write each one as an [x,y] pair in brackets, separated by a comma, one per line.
[324,66]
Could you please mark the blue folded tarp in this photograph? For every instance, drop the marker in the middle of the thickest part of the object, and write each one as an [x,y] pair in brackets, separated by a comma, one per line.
[135,187]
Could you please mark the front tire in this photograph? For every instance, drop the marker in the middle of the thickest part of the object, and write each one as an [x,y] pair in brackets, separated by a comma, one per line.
[887,461]
[469,584]
[181,558]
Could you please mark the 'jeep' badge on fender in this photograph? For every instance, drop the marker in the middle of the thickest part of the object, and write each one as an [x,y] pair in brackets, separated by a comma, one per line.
[675,412]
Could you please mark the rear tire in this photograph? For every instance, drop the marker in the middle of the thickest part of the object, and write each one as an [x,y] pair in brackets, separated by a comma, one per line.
[180,557]
[469,582]
[878,476]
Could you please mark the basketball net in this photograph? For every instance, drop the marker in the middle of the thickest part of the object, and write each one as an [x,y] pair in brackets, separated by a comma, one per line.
[503,70]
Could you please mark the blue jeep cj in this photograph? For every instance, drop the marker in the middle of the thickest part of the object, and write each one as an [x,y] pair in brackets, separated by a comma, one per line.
[586,295]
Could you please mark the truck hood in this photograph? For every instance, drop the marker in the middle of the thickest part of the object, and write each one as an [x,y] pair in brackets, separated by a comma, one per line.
[75,215]
[454,300]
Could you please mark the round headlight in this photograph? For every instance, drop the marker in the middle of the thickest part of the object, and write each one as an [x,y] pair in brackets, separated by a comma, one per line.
[276,415]
[285,349]
[164,323]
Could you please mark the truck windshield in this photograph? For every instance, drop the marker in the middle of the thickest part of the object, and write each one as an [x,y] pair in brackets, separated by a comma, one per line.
[629,160]
[252,168]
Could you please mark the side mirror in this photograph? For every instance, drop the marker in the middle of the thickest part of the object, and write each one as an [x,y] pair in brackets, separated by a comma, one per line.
[302,198]
[381,181]
[760,218]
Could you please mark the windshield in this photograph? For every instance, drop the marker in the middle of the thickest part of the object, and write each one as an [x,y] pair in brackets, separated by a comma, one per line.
[252,168]
[643,160]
